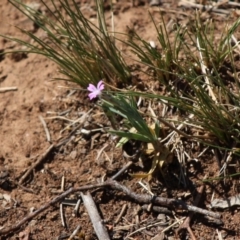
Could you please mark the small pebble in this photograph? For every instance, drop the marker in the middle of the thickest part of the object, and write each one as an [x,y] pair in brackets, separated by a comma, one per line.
[154,3]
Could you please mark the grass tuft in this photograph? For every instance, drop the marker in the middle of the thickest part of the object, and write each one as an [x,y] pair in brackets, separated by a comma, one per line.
[83,51]
[191,72]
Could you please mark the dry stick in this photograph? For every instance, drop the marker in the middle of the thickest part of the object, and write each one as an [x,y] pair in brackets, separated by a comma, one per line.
[45,128]
[121,213]
[188,4]
[63,184]
[96,220]
[181,132]
[7,89]
[157,209]
[24,188]
[76,209]
[151,225]
[234,4]
[186,224]
[62,216]
[140,198]
[170,202]
[39,161]
[167,10]
[75,232]
[122,170]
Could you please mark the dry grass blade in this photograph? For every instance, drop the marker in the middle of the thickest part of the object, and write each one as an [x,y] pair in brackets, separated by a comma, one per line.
[45,128]
[205,73]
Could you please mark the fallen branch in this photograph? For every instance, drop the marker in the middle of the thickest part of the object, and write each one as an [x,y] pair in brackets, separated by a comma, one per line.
[140,198]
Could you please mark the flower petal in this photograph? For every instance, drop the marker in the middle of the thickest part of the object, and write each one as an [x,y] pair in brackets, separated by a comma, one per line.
[92,95]
[100,85]
[91,88]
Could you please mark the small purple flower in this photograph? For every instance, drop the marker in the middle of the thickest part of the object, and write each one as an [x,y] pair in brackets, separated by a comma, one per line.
[95,91]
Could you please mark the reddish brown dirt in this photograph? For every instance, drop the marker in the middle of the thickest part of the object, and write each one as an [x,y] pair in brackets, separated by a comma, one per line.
[23,141]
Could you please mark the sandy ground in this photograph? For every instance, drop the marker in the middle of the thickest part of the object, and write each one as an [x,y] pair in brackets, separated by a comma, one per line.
[23,142]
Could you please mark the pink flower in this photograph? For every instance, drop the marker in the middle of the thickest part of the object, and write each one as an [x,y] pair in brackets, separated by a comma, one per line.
[95,91]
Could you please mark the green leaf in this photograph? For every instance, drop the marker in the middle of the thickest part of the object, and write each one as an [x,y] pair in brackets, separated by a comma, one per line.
[129,135]
[157,129]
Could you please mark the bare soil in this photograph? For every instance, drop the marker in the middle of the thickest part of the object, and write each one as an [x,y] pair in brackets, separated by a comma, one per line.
[87,159]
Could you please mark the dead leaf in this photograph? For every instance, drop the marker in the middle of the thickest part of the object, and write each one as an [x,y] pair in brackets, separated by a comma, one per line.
[226,203]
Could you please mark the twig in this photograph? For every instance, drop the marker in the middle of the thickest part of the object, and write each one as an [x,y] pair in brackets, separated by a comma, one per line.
[69,202]
[39,161]
[65,112]
[175,223]
[173,133]
[61,204]
[121,213]
[167,10]
[80,122]
[170,202]
[74,232]
[63,183]
[188,4]
[45,128]
[8,89]
[122,170]
[96,220]
[181,132]
[62,215]
[60,118]
[234,4]
[25,188]
[147,188]
[186,224]
[75,210]
[219,235]
[140,198]
[157,209]
[151,225]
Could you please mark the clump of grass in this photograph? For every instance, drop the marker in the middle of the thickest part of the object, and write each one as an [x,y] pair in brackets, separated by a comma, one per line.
[163,62]
[83,51]
[190,69]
